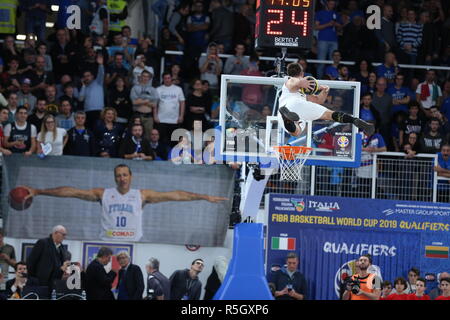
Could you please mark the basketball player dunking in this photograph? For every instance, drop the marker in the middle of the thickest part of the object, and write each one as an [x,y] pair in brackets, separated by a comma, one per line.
[122,206]
[295,106]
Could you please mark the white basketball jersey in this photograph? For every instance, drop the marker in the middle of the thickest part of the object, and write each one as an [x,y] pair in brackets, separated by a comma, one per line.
[121,215]
[288,98]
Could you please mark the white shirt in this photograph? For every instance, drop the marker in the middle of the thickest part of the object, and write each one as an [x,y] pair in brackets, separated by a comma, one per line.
[121,215]
[169,103]
[288,97]
[429,102]
[57,143]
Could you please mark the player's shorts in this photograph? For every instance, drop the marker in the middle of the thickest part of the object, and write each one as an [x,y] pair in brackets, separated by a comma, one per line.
[306,110]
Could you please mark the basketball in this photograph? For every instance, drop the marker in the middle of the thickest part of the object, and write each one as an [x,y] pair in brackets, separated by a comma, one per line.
[17,199]
[314,90]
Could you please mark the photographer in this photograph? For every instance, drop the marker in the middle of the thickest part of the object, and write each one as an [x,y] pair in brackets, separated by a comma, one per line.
[363,285]
[289,283]
[15,286]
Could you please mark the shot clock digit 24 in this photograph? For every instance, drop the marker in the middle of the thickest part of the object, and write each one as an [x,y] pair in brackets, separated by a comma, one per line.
[284,23]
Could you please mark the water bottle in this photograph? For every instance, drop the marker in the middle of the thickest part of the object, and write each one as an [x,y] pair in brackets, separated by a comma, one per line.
[83,294]
[54,294]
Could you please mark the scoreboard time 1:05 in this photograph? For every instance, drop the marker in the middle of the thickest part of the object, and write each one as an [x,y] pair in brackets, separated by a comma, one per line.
[293,3]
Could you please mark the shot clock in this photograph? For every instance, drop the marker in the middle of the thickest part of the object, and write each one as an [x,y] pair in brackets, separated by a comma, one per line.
[284,23]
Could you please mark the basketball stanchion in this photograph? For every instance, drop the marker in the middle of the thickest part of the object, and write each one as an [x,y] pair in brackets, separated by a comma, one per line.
[291,160]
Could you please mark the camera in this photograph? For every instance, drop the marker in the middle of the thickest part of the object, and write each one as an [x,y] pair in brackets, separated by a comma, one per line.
[355,285]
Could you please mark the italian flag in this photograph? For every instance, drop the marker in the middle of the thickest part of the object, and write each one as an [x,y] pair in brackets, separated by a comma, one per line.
[436,252]
[282,243]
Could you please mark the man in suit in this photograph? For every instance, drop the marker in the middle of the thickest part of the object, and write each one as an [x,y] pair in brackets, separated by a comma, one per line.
[131,280]
[14,287]
[47,259]
[98,281]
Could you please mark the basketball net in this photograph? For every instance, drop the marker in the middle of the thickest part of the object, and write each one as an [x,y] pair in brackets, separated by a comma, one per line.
[291,160]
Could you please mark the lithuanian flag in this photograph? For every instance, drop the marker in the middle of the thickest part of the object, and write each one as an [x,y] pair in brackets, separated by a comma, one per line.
[436,252]
[282,243]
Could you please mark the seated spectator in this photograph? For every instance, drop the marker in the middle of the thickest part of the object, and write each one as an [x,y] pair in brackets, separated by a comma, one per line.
[362,72]
[13,103]
[344,74]
[98,280]
[443,121]
[3,119]
[159,148]
[121,45]
[443,166]
[65,117]
[182,152]
[413,275]
[237,63]
[252,94]
[24,95]
[444,285]
[185,284]
[108,133]
[383,104]
[198,107]
[10,79]
[386,289]
[389,68]
[371,86]
[211,66]
[52,102]
[419,294]
[65,79]
[70,92]
[42,51]
[14,287]
[116,69]
[20,136]
[411,146]
[428,93]
[9,49]
[400,287]
[81,141]
[436,292]
[401,95]
[431,140]
[119,98]
[38,114]
[208,152]
[136,147]
[131,280]
[413,123]
[140,65]
[51,134]
[92,93]
[332,70]
[151,54]
[367,111]
[145,100]
[39,77]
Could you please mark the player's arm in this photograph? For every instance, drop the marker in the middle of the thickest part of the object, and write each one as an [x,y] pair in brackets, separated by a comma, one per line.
[321,97]
[151,196]
[68,192]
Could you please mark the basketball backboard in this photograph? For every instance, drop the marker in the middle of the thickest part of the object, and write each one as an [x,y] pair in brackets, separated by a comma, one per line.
[248,127]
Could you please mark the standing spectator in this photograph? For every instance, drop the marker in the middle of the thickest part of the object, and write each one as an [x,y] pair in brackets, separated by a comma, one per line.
[116,69]
[52,102]
[386,35]
[9,22]
[430,141]
[35,16]
[65,119]
[121,46]
[157,279]
[100,22]
[10,79]
[108,134]
[332,70]
[436,292]
[419,294]
[401,95]
[139,67]
[289,283]
[371,86]
[242,26]
[50,134]
[3,119]
[14,287]
[185,284]
[429,50]
[26,98]
[171,109]
[413,275]
[382,101]
[211,66]
[222,25]
[39,77]
[131,280]
[237,63]
[64,55]
[357,40]
[98,280]
[159,148]
[178,24]
[367,111]
[198,107]
[152,55]
[118,12]
[175,72]
[81,141]
[20,136]
[136,147]
[7,259]
[409,37]
[92,93]
[42,51]
[197,29]
[413,123]
[444,285]
[327,22]
[71,94]
[400,287]
[145,101]
[389,68]
[216,277]
[444,125]
[119,98]
[38,114]
[9,50]
[370,283]
[13,103]
[46,259]
[428,93]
